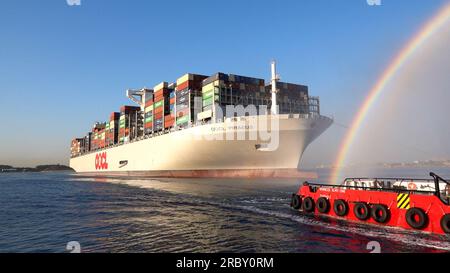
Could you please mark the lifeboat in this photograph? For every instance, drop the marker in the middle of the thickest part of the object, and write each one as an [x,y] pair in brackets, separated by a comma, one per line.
[414,204]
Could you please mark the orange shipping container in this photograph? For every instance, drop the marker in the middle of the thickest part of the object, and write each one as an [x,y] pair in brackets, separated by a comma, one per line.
[158,110]
[169,123]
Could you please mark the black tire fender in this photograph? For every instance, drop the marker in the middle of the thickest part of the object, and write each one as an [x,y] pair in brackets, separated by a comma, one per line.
[445,223]
[422,219]
[361,211]
[308,204]
[296,201]
[340,207]
[380,213]
[323,205]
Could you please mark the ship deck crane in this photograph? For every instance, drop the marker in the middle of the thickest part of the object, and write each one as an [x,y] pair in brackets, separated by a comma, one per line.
[138,96]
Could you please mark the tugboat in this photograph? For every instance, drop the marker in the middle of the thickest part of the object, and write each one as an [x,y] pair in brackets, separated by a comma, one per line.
[414,204]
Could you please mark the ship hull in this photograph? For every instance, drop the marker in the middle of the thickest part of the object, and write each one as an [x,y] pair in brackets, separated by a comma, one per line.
[213,150]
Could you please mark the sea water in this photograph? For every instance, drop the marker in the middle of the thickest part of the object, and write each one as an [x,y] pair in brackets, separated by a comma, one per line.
[43,212]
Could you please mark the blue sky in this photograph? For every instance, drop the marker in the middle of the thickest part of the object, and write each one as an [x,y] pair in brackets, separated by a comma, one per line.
[64,67]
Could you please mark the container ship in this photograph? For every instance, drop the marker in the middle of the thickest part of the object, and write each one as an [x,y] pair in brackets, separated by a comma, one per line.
[223,125]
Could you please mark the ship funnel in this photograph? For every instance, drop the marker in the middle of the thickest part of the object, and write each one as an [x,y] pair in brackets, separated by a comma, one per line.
[275,79]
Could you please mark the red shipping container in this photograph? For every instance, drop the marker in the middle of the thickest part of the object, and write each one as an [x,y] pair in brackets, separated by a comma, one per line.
[195,82]
[161,93]
[128,109]
[158,98]
[149,103]
[148,125]
[184,85]
[114,116]
[158,110]
[183,112]
[158,115]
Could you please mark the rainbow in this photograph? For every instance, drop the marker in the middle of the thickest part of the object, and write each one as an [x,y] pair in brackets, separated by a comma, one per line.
[426,32]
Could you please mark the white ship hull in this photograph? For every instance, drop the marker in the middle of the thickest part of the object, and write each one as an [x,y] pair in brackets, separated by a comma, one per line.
[204,151]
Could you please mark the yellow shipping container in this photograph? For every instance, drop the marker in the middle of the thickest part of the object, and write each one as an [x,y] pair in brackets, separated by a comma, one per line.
[148,109]
[185,78]
[211,86]
[161,86]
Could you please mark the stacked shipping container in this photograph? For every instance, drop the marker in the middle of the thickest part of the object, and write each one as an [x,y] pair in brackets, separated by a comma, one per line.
[169,118]
[128,122]
[148,113]
[174,105]
[112,129]
[108,124]
[188,88]
[77,147]
[94,139]
[290,94]
[242,86]
[211,90]
[87,142]
[161,105]
[102,141]
[225,90]
[97,131]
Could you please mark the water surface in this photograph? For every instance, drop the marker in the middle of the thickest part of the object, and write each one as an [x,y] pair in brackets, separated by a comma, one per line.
[42,212]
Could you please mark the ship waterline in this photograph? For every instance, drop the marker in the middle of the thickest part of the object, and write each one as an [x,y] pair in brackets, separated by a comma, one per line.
[206,151]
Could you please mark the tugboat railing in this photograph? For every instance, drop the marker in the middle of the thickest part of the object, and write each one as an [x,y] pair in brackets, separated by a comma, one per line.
[395,185]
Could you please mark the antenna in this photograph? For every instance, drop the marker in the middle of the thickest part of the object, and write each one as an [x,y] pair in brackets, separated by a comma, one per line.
[275,79]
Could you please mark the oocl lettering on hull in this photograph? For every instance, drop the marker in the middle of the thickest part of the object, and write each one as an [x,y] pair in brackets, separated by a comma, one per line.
[101,162]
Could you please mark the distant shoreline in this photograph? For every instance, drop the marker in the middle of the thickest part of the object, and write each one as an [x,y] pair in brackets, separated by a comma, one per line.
[37,169]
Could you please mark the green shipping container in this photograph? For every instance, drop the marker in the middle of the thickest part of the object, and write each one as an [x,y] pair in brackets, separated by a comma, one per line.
[182,120]
[149,119]
[208,95]
[215,90]
[216,98]
[208,102]
[159,104]
[122,121]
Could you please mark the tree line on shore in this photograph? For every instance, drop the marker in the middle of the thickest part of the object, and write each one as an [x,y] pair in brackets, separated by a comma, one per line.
[40,168]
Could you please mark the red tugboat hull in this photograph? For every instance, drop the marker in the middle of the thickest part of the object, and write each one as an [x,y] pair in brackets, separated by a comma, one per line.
[427,211]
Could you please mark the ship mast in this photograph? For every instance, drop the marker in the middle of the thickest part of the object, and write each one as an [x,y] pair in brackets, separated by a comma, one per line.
[275,79]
